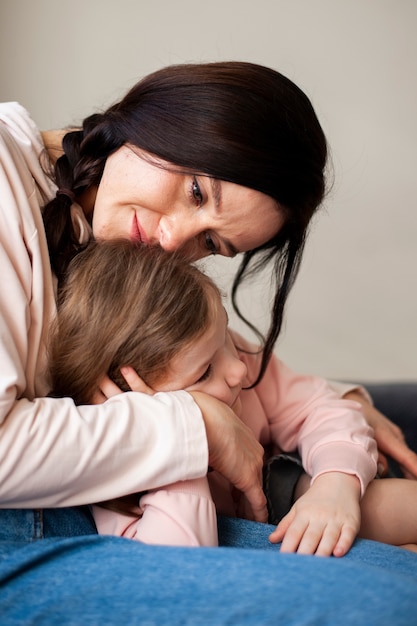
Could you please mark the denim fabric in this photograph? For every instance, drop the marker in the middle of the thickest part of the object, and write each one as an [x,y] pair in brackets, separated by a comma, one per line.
[34,524]
[94,580]
[106,580]
[250,535]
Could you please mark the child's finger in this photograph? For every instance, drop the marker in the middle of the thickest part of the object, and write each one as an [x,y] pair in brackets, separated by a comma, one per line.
[107,389]
[278,534]
[346,539]
[135,382]
[294,536]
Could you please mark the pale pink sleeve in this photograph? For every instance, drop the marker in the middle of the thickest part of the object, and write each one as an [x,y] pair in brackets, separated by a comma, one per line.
[181,514]
[305,413]
[343,388]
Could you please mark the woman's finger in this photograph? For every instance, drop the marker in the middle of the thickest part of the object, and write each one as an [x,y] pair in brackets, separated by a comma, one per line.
[382,464]
[398,450]
[389,437]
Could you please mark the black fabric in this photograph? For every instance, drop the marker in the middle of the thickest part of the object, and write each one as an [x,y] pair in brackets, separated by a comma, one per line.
[280,477]
[398,401]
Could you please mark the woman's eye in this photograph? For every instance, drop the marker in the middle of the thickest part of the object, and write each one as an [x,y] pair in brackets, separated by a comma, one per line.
[196,192]
[205,375]
[209,243]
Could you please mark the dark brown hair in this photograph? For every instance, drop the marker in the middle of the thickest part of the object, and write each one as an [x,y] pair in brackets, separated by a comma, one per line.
[235,121]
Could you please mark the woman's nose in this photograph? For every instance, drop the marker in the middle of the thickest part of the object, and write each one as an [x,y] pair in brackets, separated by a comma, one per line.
[175,232]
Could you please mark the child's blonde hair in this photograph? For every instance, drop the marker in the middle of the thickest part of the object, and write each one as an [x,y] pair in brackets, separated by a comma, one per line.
[125,304]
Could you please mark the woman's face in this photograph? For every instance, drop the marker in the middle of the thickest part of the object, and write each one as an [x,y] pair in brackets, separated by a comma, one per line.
[139,200]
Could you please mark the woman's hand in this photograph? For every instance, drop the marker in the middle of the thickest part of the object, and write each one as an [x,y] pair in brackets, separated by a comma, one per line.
[325,520]
[234,452]
[389,438]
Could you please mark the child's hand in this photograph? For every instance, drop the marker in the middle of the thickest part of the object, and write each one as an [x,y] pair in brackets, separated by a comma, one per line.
[107,388]
[135,382]
[324,520]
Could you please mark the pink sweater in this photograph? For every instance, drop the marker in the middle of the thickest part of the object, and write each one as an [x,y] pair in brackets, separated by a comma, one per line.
[287,412]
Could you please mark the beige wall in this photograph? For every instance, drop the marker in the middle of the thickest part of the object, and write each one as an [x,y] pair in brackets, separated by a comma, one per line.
[353,312]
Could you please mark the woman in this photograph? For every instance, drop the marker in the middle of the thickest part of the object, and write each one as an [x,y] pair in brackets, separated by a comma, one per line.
[206,158]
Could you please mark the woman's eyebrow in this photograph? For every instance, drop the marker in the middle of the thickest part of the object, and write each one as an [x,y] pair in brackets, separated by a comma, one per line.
[216,189]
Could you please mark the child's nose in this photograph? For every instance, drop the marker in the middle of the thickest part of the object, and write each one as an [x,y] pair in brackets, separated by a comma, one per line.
[236,372]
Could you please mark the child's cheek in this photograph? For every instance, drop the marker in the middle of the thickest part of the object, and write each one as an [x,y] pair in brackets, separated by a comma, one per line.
[237,406]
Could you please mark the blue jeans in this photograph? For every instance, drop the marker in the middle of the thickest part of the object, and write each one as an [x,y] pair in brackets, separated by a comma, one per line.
[54,569]
[90,580]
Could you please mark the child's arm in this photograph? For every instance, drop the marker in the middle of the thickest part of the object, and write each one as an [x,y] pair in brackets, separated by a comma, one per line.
[325,520]
[337,450]
[291,411]
[182,514]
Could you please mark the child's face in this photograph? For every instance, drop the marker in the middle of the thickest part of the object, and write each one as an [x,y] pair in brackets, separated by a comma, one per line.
[210,364]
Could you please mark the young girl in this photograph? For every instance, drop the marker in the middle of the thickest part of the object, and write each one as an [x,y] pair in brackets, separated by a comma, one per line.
[129,305]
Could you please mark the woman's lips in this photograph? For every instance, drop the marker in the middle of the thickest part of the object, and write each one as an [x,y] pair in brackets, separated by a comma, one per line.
[136,233]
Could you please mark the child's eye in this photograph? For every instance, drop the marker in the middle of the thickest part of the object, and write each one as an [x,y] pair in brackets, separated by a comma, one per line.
[205,375]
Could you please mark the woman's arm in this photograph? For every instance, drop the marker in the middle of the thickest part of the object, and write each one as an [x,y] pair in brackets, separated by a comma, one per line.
[56,454]
[389,438]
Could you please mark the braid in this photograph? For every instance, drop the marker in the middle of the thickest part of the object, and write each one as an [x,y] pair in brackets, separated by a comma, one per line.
[80,167]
